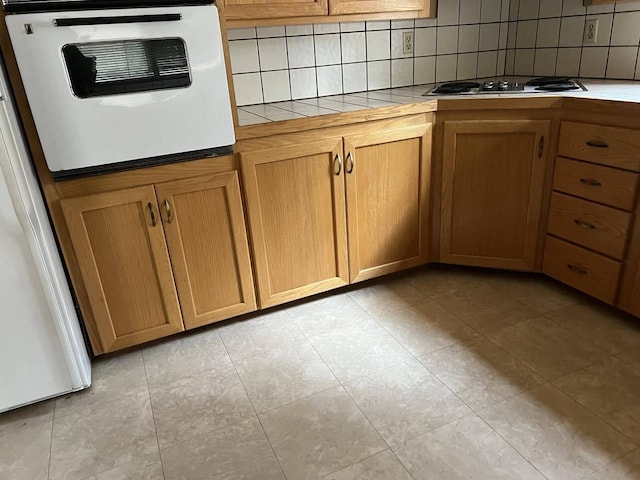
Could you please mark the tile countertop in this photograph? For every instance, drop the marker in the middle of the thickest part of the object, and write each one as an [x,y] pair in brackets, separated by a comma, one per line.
[613,90]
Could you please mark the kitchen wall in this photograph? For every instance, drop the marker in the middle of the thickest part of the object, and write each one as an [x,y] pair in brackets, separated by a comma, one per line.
[467,40]
[546,38]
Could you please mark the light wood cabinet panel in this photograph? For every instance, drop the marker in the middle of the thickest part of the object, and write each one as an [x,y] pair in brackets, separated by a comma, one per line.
[612,146]
[587,271]
[296,207]
[600,228]
[387,181]
[204,225]
[247,9]
[610,186]
[342,7]
[124,262]
[493,176]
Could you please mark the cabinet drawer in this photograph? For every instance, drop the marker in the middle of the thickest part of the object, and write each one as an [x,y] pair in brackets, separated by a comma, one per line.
[610,186]
[600,228]
[589,272]
[617,147]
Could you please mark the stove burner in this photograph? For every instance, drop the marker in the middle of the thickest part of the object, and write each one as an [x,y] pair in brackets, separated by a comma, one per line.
[558,87]
[488,85]
[541,81]
[456,87]
[503,85]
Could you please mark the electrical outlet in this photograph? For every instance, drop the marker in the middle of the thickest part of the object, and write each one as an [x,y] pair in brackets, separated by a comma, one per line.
[407,42]
[591,31]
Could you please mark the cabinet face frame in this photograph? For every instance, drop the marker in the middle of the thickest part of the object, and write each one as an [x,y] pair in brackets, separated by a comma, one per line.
[74,210]
[176,231]
[342,7]
[256,9]
[331,147]
[540,165]
[422,133]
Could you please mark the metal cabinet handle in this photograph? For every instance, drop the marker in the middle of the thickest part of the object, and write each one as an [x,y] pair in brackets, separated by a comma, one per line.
[151,214]
[167,207]
[351,162]
[587,225]
[597,144]
[590,182]
[337,161]
[577,269]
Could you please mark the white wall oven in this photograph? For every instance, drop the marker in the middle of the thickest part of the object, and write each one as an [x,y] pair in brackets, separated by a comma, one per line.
[119,88]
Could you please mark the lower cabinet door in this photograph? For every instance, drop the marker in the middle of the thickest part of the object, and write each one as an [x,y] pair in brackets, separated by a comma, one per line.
[207,238]
[387,179]
[295,201]
[493,179]
[122,254]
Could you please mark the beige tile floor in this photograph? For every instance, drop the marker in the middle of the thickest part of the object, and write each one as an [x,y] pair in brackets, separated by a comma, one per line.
[441,373]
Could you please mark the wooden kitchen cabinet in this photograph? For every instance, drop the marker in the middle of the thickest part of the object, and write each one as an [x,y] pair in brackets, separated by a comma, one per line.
[124,262]
[157,259]
[296,207]
[342,7]
[204,225]
[493,176]
[387,184]
[303,198]
[249,9]
[253,11]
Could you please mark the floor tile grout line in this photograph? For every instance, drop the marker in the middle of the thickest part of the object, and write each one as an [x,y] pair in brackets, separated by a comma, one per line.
[153,413]
[53,421]
[593,412]
[522,455]
[264,432]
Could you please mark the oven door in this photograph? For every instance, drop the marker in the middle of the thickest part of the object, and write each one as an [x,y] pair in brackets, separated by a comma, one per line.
[114,86]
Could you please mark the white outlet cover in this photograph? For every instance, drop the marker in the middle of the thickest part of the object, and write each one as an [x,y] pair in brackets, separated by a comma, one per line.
[591,31]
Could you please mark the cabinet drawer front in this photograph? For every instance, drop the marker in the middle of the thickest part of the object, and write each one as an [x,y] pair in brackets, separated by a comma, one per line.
[617,147]
[600,228]
[589,272]
[610,186]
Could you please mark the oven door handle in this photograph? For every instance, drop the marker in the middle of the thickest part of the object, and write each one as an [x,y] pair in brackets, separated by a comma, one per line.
[74,22]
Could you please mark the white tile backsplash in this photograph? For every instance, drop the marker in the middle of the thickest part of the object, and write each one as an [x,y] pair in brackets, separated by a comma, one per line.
[328,49]
[275,86]
[354,77]
[611,56]
[468,39]
[329,80]
[354,47]
[273,54]
[622,62]
[378,74]
[301,52]
[402,72]
[244,56]
[303,83]
[378,45]
[467,66]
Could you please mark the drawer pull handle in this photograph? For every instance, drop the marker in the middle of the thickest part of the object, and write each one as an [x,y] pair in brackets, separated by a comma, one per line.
[577,269]
[591,182]
[587,225]
[167,206]
[337,165]
[597,144]
[151,214]
[351,162]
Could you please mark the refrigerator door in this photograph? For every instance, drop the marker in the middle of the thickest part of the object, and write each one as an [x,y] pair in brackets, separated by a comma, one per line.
[42,352]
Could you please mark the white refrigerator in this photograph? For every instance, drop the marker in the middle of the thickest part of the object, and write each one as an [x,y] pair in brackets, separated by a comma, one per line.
[42,351]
